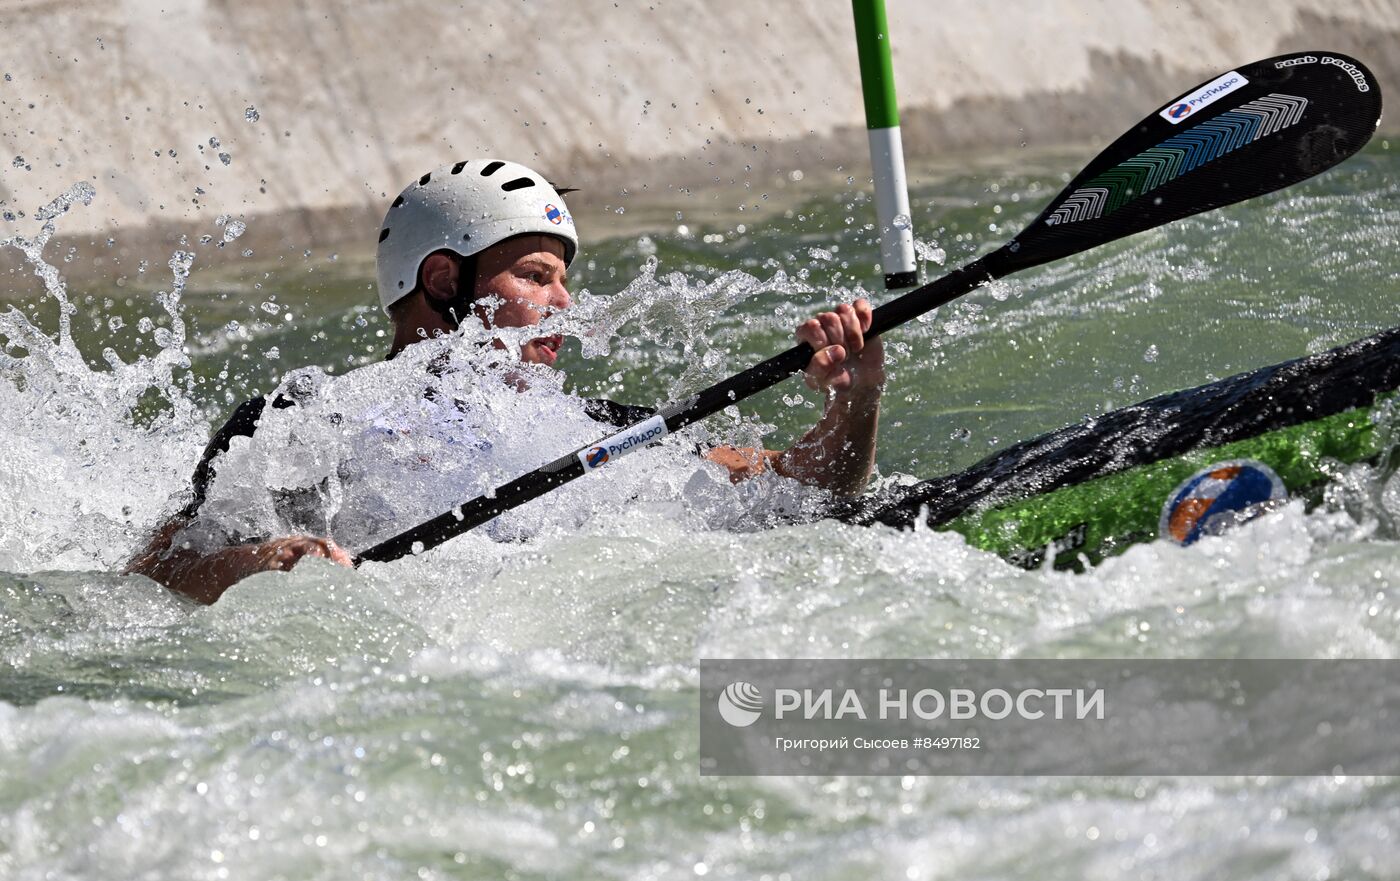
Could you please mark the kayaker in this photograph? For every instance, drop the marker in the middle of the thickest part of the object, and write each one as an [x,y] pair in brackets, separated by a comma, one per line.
[491,241]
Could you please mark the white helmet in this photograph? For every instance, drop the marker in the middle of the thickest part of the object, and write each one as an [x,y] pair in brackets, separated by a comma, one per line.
[466,208]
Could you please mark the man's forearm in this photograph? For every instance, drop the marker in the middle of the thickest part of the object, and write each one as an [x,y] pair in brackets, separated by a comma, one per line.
[205,577]
[202,577]
[839,452]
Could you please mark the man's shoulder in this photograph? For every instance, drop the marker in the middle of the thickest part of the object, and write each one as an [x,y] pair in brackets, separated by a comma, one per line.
[242,423]
[244,419]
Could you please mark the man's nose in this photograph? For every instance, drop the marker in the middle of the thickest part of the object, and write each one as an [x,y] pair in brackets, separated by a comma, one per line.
[559,296]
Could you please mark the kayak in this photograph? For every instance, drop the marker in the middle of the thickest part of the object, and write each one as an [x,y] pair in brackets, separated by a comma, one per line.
[1177,467]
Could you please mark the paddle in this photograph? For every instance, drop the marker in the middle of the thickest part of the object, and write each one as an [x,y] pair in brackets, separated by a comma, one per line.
[1251,131]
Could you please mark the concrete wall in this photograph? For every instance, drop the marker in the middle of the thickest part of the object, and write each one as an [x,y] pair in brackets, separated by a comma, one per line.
[356,98]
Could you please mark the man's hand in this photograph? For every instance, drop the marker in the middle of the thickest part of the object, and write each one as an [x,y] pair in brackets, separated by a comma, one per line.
[844,359]
[839,452]
[283,553]
[205,577]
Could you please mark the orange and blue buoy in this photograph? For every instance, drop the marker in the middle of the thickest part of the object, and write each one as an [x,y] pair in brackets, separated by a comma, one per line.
[1218,495]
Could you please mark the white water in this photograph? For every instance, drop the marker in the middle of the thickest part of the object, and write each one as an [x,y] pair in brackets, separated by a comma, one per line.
[82,480]
[527,708]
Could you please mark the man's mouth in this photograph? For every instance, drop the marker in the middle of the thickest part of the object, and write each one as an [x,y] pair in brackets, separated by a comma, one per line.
[549,344]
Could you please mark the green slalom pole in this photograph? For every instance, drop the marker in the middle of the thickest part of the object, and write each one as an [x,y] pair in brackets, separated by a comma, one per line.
[886,147]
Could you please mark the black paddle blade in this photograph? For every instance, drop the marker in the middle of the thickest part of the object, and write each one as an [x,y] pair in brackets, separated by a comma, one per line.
[1256,129]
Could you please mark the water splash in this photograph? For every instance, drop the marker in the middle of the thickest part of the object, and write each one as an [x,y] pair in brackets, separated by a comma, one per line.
[85,479]
[368,454]
[694,319]
[365,455]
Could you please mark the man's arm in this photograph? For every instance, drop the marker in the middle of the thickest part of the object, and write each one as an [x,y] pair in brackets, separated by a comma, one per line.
[838,454]
[205,577]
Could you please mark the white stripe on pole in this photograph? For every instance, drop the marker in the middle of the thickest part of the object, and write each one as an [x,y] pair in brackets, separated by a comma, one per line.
[892,201]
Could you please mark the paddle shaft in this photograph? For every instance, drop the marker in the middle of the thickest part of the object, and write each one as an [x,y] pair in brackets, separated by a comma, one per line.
[677,415]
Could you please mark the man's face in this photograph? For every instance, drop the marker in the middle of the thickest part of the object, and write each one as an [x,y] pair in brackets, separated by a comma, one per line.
[520,282]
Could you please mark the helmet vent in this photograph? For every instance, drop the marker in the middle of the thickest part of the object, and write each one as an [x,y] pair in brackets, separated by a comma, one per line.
[457,169]
[519,183]
[397,202]
[491,168]
[383,233]
[422,181]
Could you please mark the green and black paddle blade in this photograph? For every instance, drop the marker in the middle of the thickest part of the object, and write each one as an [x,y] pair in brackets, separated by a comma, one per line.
[1246,133]
[1250,131]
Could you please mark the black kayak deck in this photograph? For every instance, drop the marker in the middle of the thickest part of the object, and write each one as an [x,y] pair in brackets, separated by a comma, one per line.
[1232,409]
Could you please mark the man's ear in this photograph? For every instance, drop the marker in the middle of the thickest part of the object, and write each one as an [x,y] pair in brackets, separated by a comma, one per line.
[439,278]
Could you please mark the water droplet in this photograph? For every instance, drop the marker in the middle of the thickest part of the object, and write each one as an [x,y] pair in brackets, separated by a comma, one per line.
[962,435]
[233,229]
[180,263]
[1151,354]
[270,308]
[115,323]
[252,114]
[930,251]
[225,158]
[214,142]
[902,221]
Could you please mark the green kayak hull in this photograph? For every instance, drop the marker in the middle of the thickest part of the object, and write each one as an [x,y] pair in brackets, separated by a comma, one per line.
[1178,467]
